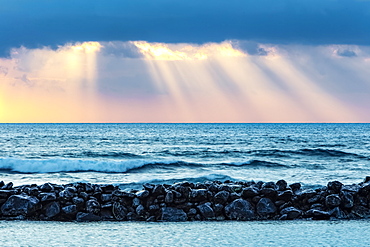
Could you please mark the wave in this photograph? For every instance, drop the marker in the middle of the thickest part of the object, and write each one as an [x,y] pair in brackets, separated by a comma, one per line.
[112,166]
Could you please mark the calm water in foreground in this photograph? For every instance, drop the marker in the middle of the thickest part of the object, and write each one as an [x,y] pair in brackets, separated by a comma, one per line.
[273,233]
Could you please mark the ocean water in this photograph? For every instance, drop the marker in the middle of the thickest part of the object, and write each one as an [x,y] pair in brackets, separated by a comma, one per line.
[131,154]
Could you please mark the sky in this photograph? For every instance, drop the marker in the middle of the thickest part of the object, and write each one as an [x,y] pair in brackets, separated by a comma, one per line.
[184,61]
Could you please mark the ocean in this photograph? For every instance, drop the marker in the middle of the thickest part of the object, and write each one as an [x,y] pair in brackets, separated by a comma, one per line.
[129,155]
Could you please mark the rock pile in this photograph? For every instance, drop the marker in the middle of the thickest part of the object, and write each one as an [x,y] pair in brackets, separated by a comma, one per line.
[185,201]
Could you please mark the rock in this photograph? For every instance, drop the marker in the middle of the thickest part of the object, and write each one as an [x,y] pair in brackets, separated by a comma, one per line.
[151,219]
[83,217]
[239,209]
[140,210]
[106,197]
[172,214]
[20,205]
[78,201]
[108,189]
[158,189]
[192,212]
[361,211]
[265,207]
[218,208]
[308,193]
[148,186]
[71,209]
[270,185]
[119,211]
[52,209]
[295,186]
[47,187]
[198,195]
[332,201]
[84,195]
[142,194]
[50,196]
[365,189]
[335,186]
[206,211]
[68,193]
[318,214]
[314,199]
[169,197]
[124,194]
[281,185]
[7,186]
[249,192]
[154,208]
[2,184]
[136,202]
[285,195]
[269,192]
[92,206]
[131,216]
[221,197]
[5,194]
[347,199]
[338,213]
[291,213]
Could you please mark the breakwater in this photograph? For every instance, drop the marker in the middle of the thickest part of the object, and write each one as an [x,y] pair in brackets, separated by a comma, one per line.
[213,200]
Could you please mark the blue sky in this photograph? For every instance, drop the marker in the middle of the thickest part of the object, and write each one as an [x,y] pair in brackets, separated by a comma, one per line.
[54,22]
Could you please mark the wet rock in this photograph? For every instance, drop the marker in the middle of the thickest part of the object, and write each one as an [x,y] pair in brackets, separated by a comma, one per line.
[78,201]
[68,193]
[295,186]
[270,185]
[269,192]
[240,209]
[281,185]
[332,201]
[169,197]
[285,195]
[335,186]
[365,189]
[249,192]
[92,206]
[119,211]
[206,211]
[142,194]
[2,184]
[198,195]
[218,208]
[318,214]
[151,219]
[131,216]
[136,202]
[44,197]
[140,210]
[158,190]
[338,213]
[291,213]
[192,212]
[46,187]
[83,217]
[84,195]
[314,199]
[6,193]
[71,209]
[148,186]
[172,214]
[361,211]
[347,199]
[106,197]
[266,207]
[221,197]
[20,205]
[52,209]
[7,186]
[124,194]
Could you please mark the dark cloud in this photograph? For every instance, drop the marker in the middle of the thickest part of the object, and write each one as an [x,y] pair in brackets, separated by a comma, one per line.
[346,53]
[40,23]
[120,49]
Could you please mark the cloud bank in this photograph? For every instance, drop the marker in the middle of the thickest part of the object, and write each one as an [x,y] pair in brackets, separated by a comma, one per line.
[39,23]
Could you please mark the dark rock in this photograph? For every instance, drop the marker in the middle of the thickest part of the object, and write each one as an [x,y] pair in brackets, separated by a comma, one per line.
[151,219]
[140,210]
[47,196]
[124,194]
[78,201]
[269,192]
[71,209]
[198,195]
[332,201]
[148,186]
[106,197]
[84,195]
[314,199]
[318,214]
[361,211]
[338,213]
[365,189]
[6,193]
[20,205]
[249,192]
[136,202]
[281,185]
[47,187]
[295,186]
[218,208]
[52,209]
[240,209]
[172,214]
[169,197]
[82,217]
[335,186]
[154,207]
[142,194]
[2,184]
[354,188]
[270,185]
[131,216]
[285,195]
[317,206]
[119,211]
[266,207]
[206,211]
[192,212]
[158,190]
[68,193]
[7,186]
[92,206]
[291,213]
[221,197]
[347,199]
[308,193]
[367,179]
[108,189]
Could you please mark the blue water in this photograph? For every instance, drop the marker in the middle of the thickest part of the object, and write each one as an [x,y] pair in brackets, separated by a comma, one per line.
[131,154]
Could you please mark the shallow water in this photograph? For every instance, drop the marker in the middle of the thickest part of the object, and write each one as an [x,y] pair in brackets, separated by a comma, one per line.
[257,233]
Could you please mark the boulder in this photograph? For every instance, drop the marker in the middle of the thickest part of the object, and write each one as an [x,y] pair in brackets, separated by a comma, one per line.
[83,217]
[347,199]
[239,209]
[291,213]
[249,192]
[266,207]
[361,211]
[47,196]
[93,206]
[318,214]
[71,209]
[221,197]
[142,194]
[285,195]
[119,211]
[5,194]
[281,185]
[332,201]
[47,187]
[172,214]
[198,195]
[20,205]
[335,186]
[52,209]
[206,211]
[169,197]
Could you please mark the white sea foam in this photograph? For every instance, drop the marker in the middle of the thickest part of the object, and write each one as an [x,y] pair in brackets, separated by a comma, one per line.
[73,165]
